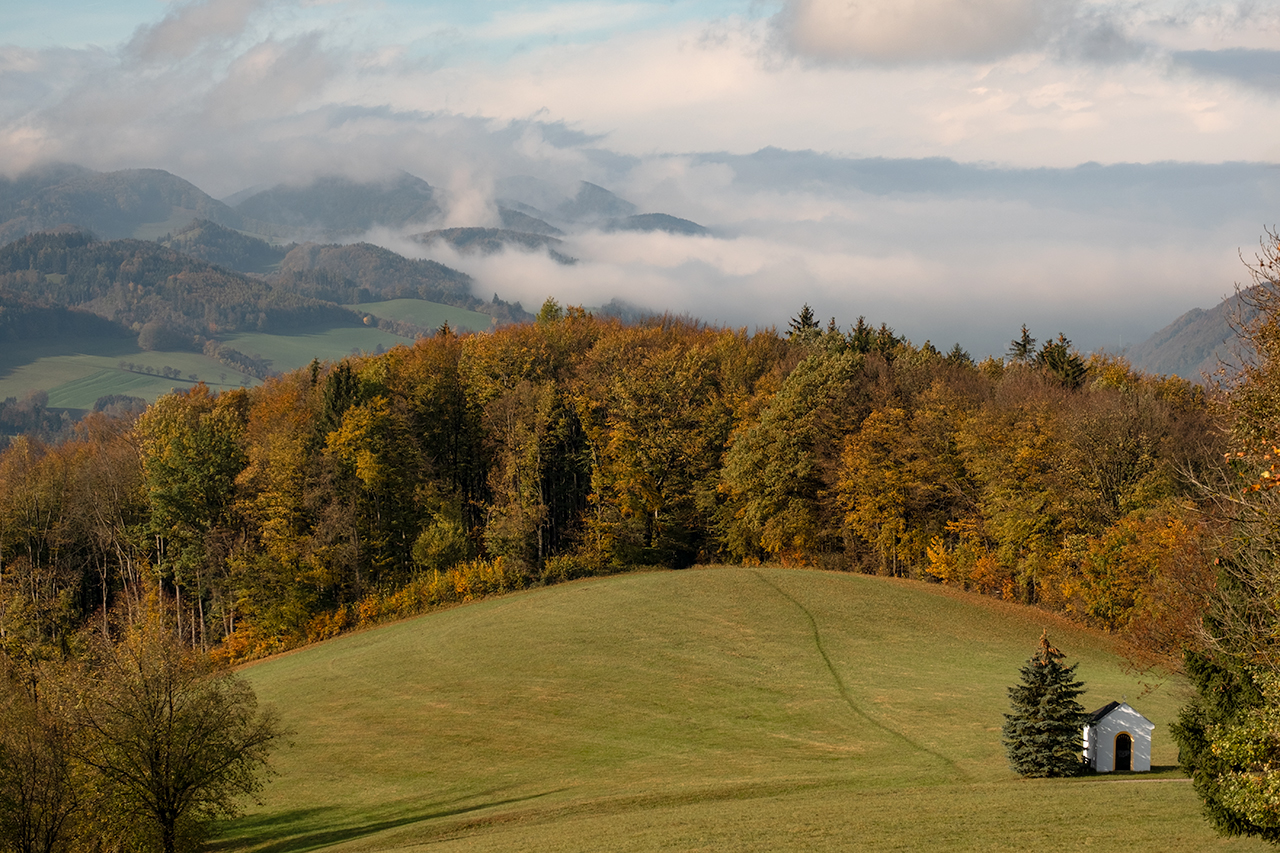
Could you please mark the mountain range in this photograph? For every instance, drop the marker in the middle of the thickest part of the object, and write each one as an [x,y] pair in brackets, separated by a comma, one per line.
[301,239]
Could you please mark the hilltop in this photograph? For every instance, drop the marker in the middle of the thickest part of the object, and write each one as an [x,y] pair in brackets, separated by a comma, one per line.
[724,708]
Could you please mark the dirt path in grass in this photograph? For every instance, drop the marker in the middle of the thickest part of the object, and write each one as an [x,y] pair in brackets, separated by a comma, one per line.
[844,690]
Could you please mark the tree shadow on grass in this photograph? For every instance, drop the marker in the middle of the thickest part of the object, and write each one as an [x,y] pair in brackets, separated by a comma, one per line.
[305,829]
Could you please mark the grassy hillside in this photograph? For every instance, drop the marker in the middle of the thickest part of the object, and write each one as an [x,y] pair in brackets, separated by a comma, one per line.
[77,371]
[713,709]
[291,351]
[429,315]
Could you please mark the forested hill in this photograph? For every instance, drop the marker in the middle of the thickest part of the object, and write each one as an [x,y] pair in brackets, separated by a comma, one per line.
[381,485]
[372,272]
[26,320]
[136,283]
[337,206]
[109,204]
[363,272]
[226,247]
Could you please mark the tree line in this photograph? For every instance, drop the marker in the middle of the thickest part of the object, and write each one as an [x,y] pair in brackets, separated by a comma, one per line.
[576,445]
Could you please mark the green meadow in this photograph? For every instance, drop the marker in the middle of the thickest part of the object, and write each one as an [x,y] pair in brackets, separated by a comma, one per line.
[291,351]
[77,371]
[747,709]
[429,315]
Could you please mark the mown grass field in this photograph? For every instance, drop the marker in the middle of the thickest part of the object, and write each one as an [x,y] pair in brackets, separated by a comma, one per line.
[77,371]
[429,315]
[289,352]
[710,709]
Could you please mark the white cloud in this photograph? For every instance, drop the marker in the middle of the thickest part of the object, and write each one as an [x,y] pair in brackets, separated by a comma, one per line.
[914,30]
[192,26]
[269,80]
[232,93]
[560,19]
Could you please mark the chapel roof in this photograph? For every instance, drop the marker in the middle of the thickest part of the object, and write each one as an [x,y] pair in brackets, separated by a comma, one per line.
[1103,711]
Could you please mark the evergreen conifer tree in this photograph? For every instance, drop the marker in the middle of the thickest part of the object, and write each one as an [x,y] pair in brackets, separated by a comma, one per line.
[1043,734]
[1023,349]
[803,323]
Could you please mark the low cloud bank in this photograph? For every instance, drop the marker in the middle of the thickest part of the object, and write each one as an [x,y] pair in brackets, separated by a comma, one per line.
[237,93]
[968,266]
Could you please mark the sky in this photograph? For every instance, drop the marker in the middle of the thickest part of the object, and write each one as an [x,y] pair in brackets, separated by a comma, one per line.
[955,168]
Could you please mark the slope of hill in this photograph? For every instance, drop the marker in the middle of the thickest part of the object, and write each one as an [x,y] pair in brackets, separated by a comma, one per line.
[1194,345]
[142,203]
[24,320]
[658,222]
[425,315]
[339,206]
[226,247]
[712,709]
[363,272]
[488,241]
[514,220]
[538,199]
[136,283]
[594,203]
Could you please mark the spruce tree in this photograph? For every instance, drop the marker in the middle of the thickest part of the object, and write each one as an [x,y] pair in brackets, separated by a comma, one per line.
[804,323]
[1042,735]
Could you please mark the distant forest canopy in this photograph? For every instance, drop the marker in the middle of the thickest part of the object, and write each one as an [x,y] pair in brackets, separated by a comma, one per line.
[381,485]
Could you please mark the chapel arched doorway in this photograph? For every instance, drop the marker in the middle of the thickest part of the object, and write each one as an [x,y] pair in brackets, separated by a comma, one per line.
[1124,752]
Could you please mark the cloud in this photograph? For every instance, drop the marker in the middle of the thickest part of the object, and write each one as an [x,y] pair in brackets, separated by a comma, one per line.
[1258,69]
[977,218]
[939,250]
[191,26]
[917,30]
[269,80]
[564,19]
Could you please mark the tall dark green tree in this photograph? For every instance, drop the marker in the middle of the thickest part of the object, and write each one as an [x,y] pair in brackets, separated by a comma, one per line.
[1023,348]
[1062,362]
[803,323]
[1042,733]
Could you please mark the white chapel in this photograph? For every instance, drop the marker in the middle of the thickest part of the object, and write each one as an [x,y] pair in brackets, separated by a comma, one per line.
[1118,738]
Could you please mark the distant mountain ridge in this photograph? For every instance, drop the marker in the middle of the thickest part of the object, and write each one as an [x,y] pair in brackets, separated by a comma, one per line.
[591,206]
[1197,343]
[112,205]
[337,206]
[658,222]
[489,241]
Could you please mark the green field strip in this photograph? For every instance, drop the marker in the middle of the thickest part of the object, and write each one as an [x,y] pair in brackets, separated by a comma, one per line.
[82,393]
[292,351]
[76,373]
[429,315]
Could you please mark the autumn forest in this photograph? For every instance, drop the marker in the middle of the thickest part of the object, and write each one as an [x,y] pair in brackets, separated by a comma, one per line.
[383,485]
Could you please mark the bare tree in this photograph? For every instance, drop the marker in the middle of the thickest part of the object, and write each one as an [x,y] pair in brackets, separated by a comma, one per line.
[171,741]
[39,801]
